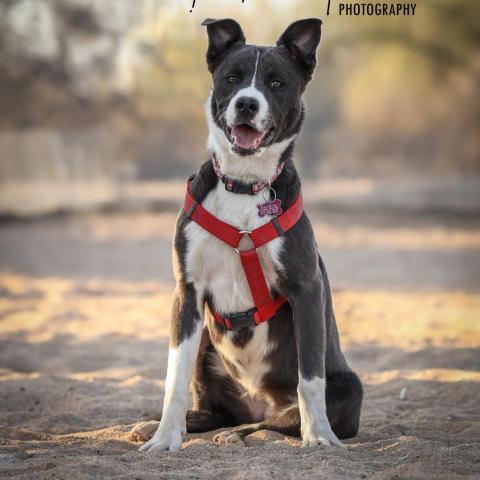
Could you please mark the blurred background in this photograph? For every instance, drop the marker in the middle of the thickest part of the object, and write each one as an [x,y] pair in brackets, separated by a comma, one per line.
[101,121]
[99,95]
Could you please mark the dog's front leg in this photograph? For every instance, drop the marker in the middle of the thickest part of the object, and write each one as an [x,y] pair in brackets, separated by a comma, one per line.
[185,334]
[308,303]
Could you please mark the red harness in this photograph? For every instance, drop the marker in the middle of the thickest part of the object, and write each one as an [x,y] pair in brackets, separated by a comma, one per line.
[265,306]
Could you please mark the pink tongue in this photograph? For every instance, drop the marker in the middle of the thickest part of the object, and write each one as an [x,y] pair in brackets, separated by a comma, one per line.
[246,137]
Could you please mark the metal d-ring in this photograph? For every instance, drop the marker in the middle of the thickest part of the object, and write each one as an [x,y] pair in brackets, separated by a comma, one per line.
[242,232]
[269,190]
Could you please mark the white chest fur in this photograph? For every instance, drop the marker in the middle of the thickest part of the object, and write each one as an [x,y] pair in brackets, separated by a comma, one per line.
[215,267]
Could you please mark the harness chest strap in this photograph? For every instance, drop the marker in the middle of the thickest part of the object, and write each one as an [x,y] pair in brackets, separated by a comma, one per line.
[265,305]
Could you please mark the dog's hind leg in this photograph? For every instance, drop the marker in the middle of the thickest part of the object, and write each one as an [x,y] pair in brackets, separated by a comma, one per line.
[344,396]
[143,431]
[217,397]
[285,421]
[198,421]
[344,401]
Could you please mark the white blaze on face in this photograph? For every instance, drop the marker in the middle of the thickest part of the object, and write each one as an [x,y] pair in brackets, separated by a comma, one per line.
[252,92]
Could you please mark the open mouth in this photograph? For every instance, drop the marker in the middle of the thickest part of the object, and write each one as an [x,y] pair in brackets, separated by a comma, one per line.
[246,138]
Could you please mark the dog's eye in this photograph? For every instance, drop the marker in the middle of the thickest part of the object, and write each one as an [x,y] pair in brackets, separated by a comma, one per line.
[232,79]
[276,84]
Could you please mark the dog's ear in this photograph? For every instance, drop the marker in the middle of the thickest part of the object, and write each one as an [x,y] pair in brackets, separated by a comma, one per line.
[301,39]
[222,35]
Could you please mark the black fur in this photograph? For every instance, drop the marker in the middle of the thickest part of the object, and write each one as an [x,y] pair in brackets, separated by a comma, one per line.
[304,331]
[317,352]
[301,39]
[223,35]
[291,63]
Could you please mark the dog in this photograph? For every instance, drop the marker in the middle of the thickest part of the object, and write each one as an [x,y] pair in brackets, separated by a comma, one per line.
[252,326]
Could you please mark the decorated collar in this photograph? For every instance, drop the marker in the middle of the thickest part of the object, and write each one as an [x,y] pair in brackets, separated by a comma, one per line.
[237,186]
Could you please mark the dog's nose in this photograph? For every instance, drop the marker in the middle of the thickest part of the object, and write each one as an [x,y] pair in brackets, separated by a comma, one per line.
[247,105]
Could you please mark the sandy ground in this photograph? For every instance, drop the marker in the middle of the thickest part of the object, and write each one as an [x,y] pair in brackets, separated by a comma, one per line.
[84,303]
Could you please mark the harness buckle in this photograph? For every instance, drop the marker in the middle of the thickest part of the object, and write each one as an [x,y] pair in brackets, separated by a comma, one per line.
[240,319]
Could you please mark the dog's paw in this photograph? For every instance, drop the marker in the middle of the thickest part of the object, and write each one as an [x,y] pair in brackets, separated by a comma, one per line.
[228,438]
[163,440]
[143,431]
[323,436]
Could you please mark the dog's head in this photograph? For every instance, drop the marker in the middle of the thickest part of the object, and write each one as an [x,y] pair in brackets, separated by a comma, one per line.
[256,101]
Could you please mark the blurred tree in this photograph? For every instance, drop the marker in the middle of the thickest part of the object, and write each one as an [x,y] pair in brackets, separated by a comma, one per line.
[404,96]
[391,95]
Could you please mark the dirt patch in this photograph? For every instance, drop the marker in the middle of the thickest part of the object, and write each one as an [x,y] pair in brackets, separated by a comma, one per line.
[83,357]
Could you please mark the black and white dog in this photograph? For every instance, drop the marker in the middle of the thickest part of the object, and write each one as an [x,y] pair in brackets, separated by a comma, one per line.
[287,374]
